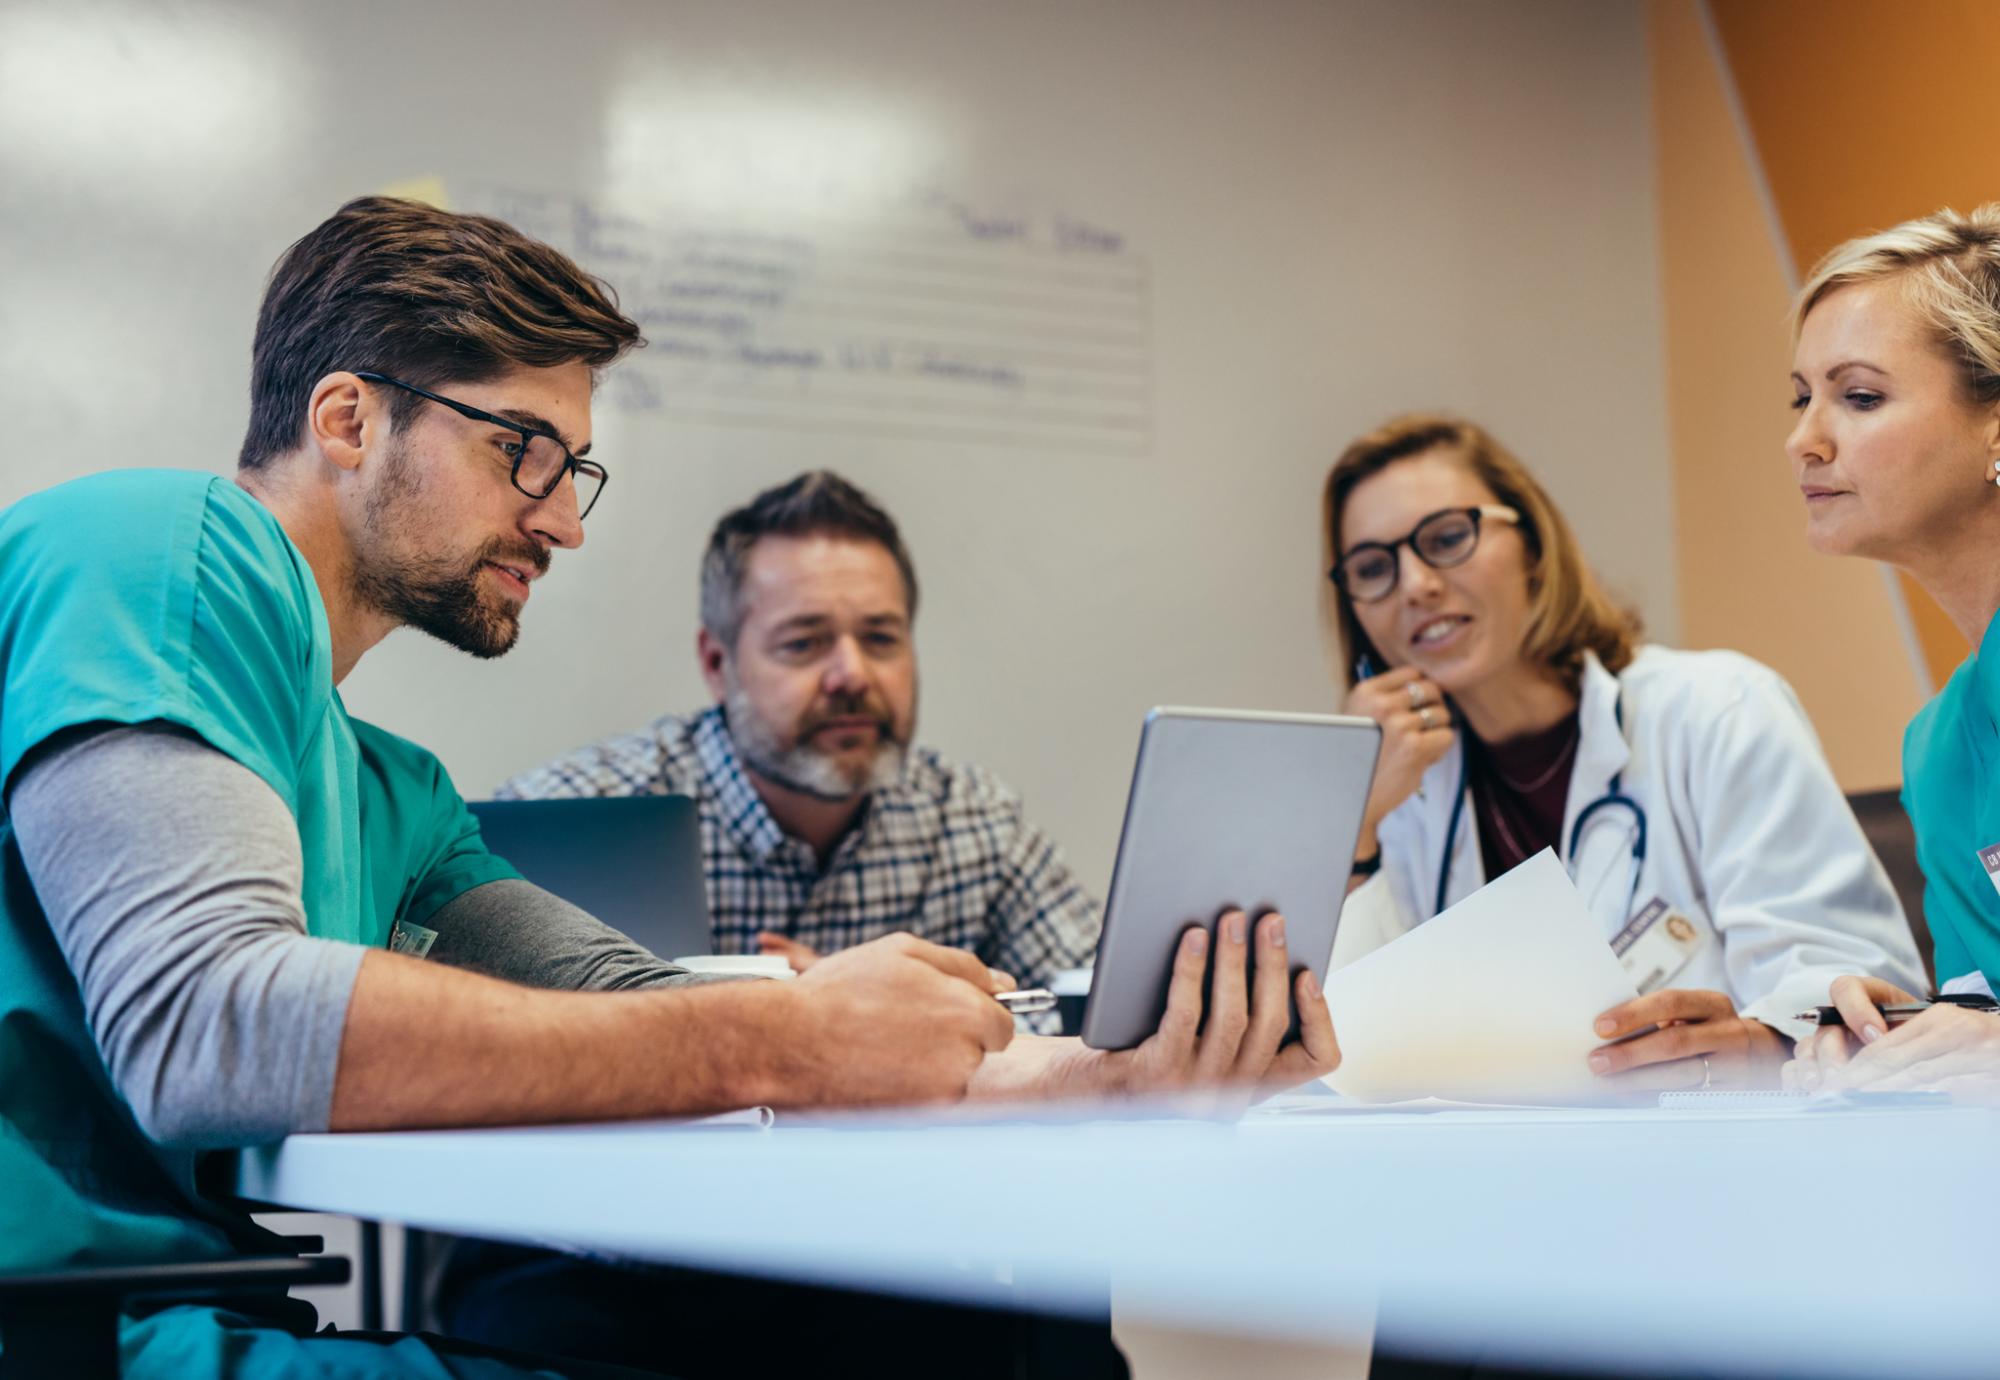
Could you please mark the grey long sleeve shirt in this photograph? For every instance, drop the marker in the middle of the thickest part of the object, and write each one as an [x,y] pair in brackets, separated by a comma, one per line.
[171,876]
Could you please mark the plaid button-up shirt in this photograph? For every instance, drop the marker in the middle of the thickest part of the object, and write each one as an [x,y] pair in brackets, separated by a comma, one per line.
[944,853]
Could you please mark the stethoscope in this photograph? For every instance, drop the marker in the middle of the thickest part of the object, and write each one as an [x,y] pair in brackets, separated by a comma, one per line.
[1613,798]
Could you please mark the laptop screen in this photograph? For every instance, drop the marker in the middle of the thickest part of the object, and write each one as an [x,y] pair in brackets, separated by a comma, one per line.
[633,862]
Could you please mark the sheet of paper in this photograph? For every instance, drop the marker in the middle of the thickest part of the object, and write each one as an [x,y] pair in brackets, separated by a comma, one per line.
[1492,1001]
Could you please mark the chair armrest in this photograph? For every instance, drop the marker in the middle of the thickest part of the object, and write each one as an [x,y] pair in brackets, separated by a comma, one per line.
[65,1322]
[189,1280]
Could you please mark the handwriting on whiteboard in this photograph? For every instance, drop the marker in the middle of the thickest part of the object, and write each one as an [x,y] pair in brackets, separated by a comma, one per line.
[947,322]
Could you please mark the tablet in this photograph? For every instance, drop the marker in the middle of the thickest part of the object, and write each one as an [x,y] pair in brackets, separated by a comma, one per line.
[1228,809]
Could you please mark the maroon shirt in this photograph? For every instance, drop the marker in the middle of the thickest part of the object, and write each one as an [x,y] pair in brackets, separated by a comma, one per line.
[1519,791]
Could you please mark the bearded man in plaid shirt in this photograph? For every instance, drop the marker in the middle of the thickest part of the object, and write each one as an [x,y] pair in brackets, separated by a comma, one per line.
[821,825]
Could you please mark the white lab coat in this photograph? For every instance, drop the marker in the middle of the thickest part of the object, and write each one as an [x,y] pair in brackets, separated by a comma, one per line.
[1747,833]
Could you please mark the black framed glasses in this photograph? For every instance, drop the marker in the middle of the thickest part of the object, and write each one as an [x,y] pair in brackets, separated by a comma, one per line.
[540,460]
[1448,537]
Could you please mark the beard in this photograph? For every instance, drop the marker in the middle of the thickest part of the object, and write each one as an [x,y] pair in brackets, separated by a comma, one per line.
[436,594]
[799,766]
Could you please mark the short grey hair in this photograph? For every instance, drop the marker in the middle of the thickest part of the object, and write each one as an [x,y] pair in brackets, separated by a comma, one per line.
[817,503]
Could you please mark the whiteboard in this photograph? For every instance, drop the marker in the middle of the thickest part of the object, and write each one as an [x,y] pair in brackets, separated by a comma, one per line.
[1193,247]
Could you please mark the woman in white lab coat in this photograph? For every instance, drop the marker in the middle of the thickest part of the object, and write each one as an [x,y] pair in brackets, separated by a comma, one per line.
[1685,791]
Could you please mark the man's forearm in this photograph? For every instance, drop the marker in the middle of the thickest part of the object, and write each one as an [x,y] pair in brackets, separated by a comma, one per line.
[426,1045]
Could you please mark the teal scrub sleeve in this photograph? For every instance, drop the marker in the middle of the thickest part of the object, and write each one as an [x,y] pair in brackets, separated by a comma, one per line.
[411,811]
[169,595]
[1949,956]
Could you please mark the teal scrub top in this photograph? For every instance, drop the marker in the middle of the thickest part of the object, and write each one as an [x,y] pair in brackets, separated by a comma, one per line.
[1951,789]
[145,595]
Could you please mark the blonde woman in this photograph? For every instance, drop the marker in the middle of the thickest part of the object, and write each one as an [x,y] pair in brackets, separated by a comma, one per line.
[1896,379]
[1685,791]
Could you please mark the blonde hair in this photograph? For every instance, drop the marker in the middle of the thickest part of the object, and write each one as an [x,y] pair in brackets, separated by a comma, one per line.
[1949,270]
[1568,611]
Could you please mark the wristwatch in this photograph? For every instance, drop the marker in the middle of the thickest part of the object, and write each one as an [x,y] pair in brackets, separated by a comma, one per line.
[1368,866]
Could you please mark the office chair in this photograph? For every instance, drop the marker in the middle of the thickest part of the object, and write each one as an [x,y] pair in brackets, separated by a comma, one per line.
[1894,840]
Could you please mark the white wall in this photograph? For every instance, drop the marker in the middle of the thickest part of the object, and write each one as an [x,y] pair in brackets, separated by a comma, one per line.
[1344,210]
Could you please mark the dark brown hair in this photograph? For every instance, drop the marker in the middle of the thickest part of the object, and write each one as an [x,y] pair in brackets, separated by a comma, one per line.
[817,503]
[1568,611]
[428,296]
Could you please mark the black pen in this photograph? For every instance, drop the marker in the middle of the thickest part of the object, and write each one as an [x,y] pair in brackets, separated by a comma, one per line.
[1828,1016]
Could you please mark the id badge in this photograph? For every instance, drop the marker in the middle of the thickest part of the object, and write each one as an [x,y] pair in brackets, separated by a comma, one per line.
[1989,857]
[1657,943]
[413,940]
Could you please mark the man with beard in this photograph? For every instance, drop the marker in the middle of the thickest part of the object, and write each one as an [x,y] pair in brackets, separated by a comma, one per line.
[229,912]
[821,826]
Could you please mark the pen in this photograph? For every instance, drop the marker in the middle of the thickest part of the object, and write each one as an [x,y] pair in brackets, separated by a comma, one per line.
[1027,1002]
[1827,1016]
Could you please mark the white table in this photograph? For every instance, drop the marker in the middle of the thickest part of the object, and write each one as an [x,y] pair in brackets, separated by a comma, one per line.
[1844,1243]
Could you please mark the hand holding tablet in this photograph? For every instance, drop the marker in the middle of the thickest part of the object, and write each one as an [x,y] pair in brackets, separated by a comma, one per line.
[1230,814]
[1240,1035]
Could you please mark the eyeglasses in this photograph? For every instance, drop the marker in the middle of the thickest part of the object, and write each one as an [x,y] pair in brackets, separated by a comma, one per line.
[540,460]
[1368,573]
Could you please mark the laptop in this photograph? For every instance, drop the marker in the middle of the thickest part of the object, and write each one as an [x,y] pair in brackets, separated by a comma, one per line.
[634,862]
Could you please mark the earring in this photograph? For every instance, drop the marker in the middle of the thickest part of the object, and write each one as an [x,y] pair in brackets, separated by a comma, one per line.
[1996,471]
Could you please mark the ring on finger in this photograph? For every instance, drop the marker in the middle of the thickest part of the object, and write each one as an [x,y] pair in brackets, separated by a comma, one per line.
[1424,715]
[1416,693]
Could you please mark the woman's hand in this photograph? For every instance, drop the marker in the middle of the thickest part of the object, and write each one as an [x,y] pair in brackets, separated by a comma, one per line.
[1416,732]
[1946,1049]
[1828,1049]
[1694,1026]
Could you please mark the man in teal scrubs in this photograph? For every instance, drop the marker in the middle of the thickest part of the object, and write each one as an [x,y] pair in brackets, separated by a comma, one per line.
[231,913]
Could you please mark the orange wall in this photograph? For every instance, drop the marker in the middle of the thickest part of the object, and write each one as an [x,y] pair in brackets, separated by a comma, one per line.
[1864,114]
[1746,577]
